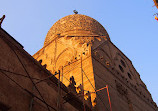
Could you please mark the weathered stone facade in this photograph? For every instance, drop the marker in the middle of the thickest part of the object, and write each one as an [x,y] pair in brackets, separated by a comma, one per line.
[79,45]
[80,49]
[27,86]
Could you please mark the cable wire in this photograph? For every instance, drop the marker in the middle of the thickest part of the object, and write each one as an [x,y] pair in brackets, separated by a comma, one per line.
[30,93]
[18,74]
[31,79]
[26,71]
[95,90]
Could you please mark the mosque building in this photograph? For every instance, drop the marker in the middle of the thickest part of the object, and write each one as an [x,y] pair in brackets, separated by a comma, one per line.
[78,69]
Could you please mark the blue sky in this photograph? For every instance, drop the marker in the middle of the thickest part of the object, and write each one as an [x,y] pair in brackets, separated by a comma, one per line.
[129,23]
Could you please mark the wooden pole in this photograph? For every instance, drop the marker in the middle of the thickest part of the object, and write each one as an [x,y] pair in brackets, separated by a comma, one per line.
[58,102]
[82,84]
[109,97]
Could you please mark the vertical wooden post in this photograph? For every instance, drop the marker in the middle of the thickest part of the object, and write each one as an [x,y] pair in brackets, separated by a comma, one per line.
[109,97]
[58,102]
[62,74]
[82,84]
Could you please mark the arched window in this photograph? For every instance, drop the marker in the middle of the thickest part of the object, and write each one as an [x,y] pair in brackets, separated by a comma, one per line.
[121,68]
[129,75]
[123,63]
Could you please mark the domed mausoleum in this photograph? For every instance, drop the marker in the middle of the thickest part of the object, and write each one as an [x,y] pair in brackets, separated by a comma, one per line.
[77,69]
[80,47]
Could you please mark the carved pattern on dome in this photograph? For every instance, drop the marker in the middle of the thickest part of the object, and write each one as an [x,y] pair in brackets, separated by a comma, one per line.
[74,22]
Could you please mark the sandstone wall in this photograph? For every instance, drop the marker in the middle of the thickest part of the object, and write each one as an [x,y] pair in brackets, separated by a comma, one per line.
[15,65]
[113,68]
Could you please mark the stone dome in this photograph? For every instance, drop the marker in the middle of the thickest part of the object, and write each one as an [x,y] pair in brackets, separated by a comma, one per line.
[74,23]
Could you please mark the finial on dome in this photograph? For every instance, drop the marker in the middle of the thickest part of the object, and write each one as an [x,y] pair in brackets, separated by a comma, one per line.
[76,12]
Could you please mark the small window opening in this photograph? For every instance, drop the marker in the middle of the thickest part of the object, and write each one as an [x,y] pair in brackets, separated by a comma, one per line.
[121,68]
[107,63]
[123,63]
[101,57]
[129,75]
